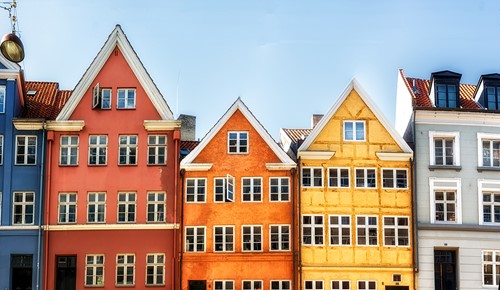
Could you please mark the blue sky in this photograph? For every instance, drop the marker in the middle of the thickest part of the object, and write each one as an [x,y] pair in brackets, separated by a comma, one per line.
[286,59]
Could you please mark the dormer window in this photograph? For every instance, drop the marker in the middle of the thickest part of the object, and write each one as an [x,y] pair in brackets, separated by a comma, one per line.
[488,91]
[492,101]
[445,87]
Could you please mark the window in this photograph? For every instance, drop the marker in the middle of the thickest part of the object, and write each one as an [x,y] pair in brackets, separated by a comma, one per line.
[491,267]
[251,189]
[237,142]
[279,237]
[126,207]
[446,96]
[445,200]
[67,208]
[156,207]
[354,130]
[313,285]
[127,150]
[1,149]
[338,177]
[101,98]
[98,146]
[125,269]
[280,285]
[157,149]
[69,150]
[489,149]
[492,101]
[155,269]
[340,230]
[195,239]
[367,230]
[224,239]
[223,285]
[444,148]
[25,150]
[2,99]
[396,231]
[312,230]
[105,98]
[126,99]
[24,206]
[341,285]
[491,207]
[251,285]
[366,178]
[367,285]
[279,189]
[312,176]
[94,270]
[96,209]
[195,189]
[394,178]
[224,189]
[251,238]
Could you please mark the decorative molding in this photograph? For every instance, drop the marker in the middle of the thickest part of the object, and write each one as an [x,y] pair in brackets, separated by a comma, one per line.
[70,126]
[107,227]
[316,155]
[28,124]
[457,118]
[161,125]
[394,156]
[280,166]
[197,166]
[19,228]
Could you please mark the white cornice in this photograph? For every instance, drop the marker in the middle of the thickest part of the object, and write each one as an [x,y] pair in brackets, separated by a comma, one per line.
[100,227]
[394,156]
[19,228]
[457,118]
[280,166]
[28,124]
[69,126]
[316,155]
[161,125]
[197,166]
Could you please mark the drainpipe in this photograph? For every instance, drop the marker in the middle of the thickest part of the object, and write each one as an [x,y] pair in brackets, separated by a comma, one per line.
[294,224]
[177,137]
[40,209]
[181,250]
[414,202]
[299,225]
[48,176]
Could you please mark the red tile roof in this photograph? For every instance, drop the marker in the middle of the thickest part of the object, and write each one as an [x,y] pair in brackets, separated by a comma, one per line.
[189,145]
[46,102]
[297,134]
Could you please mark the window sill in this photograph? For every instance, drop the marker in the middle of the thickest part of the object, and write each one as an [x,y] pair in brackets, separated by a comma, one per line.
[445,167]
[70,165]
[94,286]
[155,285]
[126,165]
[487,168]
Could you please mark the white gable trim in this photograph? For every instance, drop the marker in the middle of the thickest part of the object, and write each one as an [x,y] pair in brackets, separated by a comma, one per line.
[10,66]
[238,105]
[116,39]
[354,84]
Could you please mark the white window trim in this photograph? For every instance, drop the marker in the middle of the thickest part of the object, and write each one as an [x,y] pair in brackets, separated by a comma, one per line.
[365,179]
[126,93]
[77,146]
[340,283]
[367,227]
[354,122]
[280,233]
[366,281]
[311,169]
[457,189]
[314,284]
[281,284]
[252,193]
[396,227]
[482,186]
[493,262]
[338,169]
[456,146]
[26,153]
[23,204]
[480,137]
[196,181]
[224,284]
[155,265]
[97,146]
[195,236]
[340,227]
[128,146]
[67,204]
[127,202]
[238,142]
[94,266]
[156,147]
[97,203]
[101,96]
[280,178]
[252,234]
[312,226]
[126,265]
[253,282]
[155,202]
[224,242]
[394,170]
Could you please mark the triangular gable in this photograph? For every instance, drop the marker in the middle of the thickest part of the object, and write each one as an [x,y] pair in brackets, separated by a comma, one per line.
[239,105]
[354,84]
[116,39]
[8,65]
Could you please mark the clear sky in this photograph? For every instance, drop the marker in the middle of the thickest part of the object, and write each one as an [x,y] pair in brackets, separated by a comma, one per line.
[286,59]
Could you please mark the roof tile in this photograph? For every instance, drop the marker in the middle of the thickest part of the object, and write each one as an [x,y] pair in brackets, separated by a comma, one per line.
[46,102]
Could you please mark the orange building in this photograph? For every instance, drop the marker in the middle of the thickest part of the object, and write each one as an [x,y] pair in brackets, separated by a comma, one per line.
[238,208]
[112,179]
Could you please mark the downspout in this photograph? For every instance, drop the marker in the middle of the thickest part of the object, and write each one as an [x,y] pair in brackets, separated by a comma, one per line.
[299,225]
[40,209]
[414,202]
[294,224]
[50,140]
[181,250]
[177,137]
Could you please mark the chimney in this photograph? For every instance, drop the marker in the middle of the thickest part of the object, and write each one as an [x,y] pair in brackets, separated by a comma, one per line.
[315,120]
[188,127]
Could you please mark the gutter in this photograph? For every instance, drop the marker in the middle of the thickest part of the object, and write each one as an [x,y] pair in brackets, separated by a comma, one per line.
[299,225]
[48,176]
[413,166]
[181,227]
[40,209]
[176,137]
[294,224]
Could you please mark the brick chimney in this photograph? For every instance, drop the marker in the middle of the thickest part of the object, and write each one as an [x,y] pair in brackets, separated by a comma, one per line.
[315,120]
[188,127]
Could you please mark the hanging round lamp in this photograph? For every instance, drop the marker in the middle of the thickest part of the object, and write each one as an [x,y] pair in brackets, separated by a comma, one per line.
[12,48]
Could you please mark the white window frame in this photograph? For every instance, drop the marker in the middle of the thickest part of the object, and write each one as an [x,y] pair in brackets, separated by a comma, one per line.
[94,265]
[125,265]
[394,178]
[27,147]
[67,203]
[252,284]
[493,263]
[224,242]
[280,190]
[126,143]
[66,150]
[238,146]
[314,285]
[313,225]
[281,285]
[279,237]
[224,284]
[96,203]
[23,204]
[252,190]
[365,177]
[457,187]
[354,127]
[312,171]
[256,238]
[228,186]
[195,239]
[155,148]
[3,99]
[159,216]
[110,94]
[491,187]
[444,135]
[339,226]
[97,146]
[341,285]
[127,202]
[194,190]
[367,227]
[367,284]
[156,264]
[483,137]
[125,98]
[396,227]
[338,170]
[1,149]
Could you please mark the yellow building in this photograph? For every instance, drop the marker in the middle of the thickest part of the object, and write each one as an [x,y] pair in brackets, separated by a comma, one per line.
[355,200]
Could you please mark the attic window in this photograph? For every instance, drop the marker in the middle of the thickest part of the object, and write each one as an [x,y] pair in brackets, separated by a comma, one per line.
[101,98]
[446,85]
[31,92]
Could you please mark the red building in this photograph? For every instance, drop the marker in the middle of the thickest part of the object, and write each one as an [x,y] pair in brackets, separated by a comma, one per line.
[112,163]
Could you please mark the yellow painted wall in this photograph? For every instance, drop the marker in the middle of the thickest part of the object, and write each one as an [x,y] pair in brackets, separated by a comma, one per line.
[356,262]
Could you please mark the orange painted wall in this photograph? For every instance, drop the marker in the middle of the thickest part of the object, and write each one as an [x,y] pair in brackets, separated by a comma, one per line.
[239,265]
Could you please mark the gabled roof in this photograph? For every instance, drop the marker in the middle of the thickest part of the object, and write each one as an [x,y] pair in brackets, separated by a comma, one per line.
[189,145]
[296,135]
[239,105]
[45,100]
[354,85]
[117,39]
